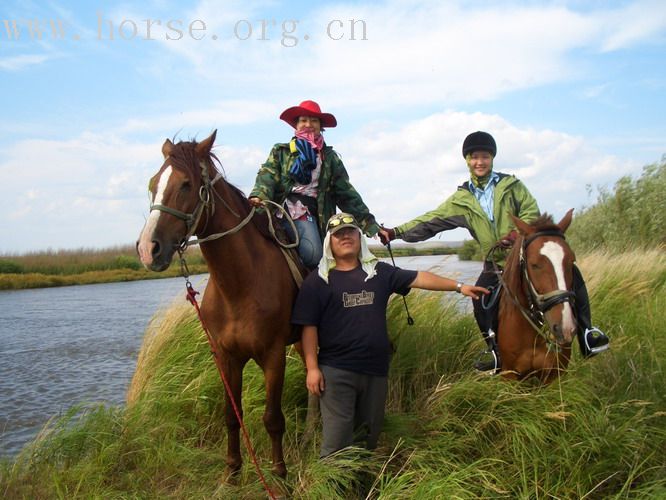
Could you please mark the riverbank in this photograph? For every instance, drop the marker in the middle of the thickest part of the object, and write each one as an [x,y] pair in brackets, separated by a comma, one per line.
[85,267]
[448,431]
[117,264]
[39,280]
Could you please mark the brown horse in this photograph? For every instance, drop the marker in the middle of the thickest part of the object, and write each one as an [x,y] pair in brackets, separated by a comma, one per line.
[248,299]
[536,316]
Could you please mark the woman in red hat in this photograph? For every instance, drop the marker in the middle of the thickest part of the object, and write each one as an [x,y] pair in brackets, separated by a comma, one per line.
[309,179]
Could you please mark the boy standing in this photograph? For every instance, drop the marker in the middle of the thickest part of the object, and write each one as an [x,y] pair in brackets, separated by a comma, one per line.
[342,308]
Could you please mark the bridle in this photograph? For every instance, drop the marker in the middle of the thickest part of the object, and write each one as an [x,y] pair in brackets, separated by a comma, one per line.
[542,302]
[207,195]
[206,202]
[538,303]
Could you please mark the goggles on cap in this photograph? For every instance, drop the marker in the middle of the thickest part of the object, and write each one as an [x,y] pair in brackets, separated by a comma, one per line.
[341,219]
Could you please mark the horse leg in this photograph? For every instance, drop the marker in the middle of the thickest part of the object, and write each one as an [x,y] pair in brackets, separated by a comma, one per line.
[313,413]
[273,366]
[233,372]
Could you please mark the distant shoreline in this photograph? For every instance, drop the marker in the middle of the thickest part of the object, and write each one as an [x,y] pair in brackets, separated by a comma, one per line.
[87,266]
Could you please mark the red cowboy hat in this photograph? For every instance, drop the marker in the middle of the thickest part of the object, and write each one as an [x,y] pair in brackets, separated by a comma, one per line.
[308,108]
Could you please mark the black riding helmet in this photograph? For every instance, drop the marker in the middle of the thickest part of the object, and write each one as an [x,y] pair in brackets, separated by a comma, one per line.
[479,141]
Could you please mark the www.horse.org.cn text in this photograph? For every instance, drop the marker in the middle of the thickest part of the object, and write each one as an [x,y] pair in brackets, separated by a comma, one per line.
[288,32]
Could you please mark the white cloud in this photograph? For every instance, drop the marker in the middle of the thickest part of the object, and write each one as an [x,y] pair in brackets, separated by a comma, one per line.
[421,53]
[93,187]
[411,169]
[633,24]
[20,62]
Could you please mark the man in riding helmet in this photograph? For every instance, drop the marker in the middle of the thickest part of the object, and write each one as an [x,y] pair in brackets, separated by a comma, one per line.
[482,205]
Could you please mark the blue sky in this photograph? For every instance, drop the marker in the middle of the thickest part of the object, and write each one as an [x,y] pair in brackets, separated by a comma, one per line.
[574,92]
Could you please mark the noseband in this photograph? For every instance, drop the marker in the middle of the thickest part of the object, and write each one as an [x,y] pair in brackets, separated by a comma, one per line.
[206,201]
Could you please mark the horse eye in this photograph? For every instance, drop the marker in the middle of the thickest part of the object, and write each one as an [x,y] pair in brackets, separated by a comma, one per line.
[185,186]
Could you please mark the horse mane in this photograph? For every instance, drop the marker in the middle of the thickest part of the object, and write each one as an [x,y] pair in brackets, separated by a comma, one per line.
[544,223]
[184,153]
[512,275]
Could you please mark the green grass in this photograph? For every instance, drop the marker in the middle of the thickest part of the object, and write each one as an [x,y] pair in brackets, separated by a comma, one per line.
[630,215]
[599,432]
[83,267]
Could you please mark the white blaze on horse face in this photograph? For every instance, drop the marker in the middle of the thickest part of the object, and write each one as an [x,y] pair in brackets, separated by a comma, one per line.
[146,238]
[554,252]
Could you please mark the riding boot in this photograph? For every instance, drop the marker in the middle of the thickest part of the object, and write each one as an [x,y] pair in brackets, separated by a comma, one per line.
[490,359]
[591,339]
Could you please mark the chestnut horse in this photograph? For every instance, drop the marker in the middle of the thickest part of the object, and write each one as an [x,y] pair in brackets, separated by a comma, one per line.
[536,315]
[248,299]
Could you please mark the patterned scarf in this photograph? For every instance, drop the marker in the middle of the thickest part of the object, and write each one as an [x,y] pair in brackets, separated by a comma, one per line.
[308,145]
[479,182]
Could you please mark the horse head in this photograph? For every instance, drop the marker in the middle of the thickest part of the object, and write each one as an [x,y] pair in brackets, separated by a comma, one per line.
[180,191]
[546,262]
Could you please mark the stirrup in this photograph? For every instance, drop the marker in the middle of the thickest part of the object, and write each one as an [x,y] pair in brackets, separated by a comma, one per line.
[492,366]
[601,341]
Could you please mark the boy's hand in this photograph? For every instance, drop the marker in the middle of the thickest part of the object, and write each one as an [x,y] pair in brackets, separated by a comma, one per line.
[314,381]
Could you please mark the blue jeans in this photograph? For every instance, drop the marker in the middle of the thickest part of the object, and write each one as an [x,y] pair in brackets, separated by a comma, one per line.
[310,248]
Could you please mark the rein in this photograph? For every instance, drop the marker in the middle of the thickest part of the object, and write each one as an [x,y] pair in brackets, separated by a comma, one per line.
[207,202]
[192,299]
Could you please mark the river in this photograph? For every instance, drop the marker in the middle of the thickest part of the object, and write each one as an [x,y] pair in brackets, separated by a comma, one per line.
[79,344]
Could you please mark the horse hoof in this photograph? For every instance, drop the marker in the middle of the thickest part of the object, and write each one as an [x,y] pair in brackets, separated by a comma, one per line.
[280,470]
[232,475]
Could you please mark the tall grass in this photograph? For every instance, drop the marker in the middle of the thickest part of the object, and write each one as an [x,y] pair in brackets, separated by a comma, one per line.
[629,216]
[599,432]
[84,266]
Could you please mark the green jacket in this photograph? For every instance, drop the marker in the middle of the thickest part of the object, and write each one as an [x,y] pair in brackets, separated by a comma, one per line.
[274,183]
[462,209]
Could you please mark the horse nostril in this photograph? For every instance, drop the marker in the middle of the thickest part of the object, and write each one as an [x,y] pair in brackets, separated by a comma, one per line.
[156,248]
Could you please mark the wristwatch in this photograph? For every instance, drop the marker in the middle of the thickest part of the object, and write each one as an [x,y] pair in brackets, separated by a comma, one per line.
[459,286]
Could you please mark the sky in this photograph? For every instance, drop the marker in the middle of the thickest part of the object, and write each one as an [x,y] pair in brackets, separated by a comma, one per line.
[574,93]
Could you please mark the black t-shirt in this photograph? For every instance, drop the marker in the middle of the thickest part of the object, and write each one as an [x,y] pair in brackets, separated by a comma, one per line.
[350,315]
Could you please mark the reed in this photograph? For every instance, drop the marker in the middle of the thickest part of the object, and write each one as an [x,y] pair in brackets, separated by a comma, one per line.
[628,216]
[598,432]
[84,267]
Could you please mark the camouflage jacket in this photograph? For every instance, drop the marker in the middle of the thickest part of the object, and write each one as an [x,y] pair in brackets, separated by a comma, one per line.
[462,209]
[274,183]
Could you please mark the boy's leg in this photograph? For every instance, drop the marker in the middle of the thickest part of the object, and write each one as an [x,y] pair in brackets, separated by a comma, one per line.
[370,408]
[337,405]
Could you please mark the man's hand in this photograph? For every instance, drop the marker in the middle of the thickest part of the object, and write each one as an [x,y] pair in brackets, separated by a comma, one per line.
[386,235]
[314,381]
[473,291]
[508,240]
[256,202]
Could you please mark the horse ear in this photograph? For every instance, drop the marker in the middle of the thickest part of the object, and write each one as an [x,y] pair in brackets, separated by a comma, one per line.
[523,227]
[166,148]
[566,220]
[204,147]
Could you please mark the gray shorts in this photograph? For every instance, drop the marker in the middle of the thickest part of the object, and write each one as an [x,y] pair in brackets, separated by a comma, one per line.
[352,409]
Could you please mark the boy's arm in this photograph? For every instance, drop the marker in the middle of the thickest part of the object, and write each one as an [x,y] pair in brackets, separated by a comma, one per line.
[314,379]
[430,281]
